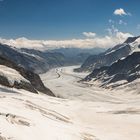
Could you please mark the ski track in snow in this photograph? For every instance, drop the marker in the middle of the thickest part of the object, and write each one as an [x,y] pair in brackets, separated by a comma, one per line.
[83,112]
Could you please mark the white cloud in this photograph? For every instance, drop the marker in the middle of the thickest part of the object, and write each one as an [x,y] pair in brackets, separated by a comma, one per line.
[89,34]
[121,12]
[117,35]
[123,36]
[114,38]
[121,22]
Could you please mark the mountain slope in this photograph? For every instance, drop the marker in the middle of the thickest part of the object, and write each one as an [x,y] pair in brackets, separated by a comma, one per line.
[42,61]
[49,59]
[121,72]
[77,55]
[12,75]
[32,60]
[132,44]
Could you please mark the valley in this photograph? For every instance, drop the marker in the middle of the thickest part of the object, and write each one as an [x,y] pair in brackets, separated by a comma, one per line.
[83,112]
[110,114]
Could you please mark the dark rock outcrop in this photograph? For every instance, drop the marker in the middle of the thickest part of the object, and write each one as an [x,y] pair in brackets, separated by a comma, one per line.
[19,85]
[131,39]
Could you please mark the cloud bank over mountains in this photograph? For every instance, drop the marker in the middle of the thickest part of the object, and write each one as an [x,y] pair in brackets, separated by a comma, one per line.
[114,37]
[89,39]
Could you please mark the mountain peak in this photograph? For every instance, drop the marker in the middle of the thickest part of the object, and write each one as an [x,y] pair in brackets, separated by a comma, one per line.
[131,39]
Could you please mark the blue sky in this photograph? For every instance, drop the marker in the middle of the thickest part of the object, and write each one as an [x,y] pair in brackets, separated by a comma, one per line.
[66,19]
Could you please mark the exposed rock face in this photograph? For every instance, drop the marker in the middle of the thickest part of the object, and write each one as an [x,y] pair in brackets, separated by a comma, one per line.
[111,55]
[131,39]
[35,84]
[19,85]
[127,69]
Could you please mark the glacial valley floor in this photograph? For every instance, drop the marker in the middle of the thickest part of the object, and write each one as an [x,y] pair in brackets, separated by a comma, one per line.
[82,111]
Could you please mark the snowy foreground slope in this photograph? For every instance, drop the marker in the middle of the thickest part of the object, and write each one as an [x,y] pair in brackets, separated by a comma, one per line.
[86,113]
[27,116]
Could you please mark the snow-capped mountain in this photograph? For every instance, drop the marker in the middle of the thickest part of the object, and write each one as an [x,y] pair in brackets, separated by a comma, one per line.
[119,73]
[41,61]
[120,51]
[13,75]
[32,60]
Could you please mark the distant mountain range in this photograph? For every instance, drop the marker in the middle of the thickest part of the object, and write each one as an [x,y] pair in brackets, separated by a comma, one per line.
[111,55]
[32,60]
[41,61]
[114,67]
[76,56]
[26,64]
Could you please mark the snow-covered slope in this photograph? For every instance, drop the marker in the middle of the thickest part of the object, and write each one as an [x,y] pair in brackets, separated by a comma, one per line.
[12,75]
[25,116]
[12,78]
[135,46]
[32,60]
[122,72]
